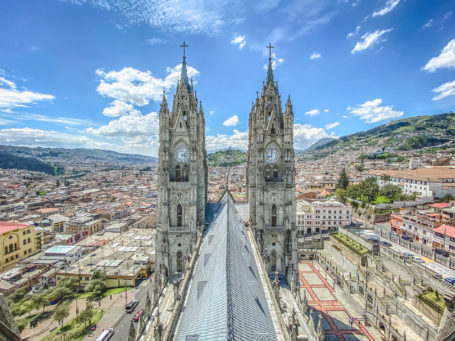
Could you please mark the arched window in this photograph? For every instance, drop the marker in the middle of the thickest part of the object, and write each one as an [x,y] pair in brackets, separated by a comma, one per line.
[185,173]
[273,215]
[179,261]
[179,215]
[177,173]
[275,175]
[10,247]
[272,131]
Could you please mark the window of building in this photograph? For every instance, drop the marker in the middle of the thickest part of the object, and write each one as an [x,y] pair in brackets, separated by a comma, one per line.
[179,215]
[273,215]
[177,173]
[29,240]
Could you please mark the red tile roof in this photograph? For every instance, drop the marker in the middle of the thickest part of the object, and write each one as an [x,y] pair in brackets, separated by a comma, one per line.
[6,226]
[441,205]
[445,229]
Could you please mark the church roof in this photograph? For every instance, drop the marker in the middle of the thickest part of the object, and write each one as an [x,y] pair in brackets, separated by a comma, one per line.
[226,299]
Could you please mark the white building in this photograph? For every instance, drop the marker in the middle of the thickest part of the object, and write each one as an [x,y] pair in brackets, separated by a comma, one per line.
[425,182]
[321,216]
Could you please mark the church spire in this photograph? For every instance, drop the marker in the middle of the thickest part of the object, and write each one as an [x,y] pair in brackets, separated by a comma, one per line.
[184,73]
[270,68]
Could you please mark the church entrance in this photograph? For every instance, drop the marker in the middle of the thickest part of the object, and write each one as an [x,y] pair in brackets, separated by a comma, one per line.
[179,262]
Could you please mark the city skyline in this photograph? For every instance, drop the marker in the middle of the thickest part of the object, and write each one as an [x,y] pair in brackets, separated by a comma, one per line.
[91,74]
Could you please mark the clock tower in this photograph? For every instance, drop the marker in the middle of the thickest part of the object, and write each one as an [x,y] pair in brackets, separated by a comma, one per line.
[271,178]
[182,176]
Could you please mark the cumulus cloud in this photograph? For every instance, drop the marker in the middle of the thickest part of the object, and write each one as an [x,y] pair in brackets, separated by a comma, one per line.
[136,87]
[239,40]
[119,108]
[332,125]
[326,110]
[313,112]
[445,60]
[344,116]
[373,112]
[390,5]
[211,112]
[444,90]
[231,121]
[369,40]
[12,97]
[306,134]
[239,139]
[131,125]
[315,55]
[275,62]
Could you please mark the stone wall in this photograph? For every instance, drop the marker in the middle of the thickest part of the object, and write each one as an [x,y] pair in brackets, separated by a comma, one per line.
[432,314]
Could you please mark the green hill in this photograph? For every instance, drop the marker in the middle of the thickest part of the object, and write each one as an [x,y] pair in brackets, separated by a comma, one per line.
[426,134]
[10,161]
[226,158]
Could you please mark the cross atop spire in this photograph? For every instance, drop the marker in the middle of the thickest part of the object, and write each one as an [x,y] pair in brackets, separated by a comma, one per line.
[184,45]
[270,47]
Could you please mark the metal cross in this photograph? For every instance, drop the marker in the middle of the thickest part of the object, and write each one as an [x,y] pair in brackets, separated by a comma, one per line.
[270,47]
[184,45]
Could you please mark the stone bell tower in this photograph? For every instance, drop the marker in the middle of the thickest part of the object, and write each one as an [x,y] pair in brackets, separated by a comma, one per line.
[271,177]
[182,176]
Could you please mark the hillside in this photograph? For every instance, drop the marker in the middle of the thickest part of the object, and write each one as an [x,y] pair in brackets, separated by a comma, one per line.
[425,134]
[10,161]
[77,158]
[226,158]
[319,143]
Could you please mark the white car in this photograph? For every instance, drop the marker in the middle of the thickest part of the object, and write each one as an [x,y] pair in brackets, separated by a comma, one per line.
[418,260]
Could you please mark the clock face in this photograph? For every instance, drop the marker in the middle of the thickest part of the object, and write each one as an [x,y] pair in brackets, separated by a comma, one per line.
[181,155]
[271,155]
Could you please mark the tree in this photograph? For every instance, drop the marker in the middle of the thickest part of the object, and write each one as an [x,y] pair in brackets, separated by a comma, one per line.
[60,294]
[341,195]
[17,295]
[61,312]
[370,189]
[353,192]
[97,283]
[448,197]
[385,177]
[390,191]
[86,315]
[343,180]
[39,301]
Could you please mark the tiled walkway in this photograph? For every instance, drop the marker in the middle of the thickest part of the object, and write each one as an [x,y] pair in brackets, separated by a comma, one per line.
[335,319]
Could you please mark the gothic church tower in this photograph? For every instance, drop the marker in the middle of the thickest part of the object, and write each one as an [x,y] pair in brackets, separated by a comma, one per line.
[182,176]
[271,178]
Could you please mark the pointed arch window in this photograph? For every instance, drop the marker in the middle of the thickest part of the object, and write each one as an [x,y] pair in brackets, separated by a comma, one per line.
[179,215]
[185,173]
[177,173]
[272,131]
[273,220]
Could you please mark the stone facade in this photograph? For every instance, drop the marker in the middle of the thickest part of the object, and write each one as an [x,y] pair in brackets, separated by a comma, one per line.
[271,178]
[182,177]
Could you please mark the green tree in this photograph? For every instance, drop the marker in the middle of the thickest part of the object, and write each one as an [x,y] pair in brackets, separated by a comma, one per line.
[341,195]
[97,283]
[385,177]
[17,295]
[61,293]
[39,301]
[61,312]
[390,191]
[343,180]
[369,189]
[448,197]
[86,315]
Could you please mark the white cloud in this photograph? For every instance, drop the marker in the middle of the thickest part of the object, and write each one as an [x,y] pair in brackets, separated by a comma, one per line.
[211,112]
[132,125]
[70,121]
[370,39]
[169,15]
[313,112]
[444,90]
[446,59]
[353,34]
[237,140]
[11,97]
[372,112]
[306,134]
[119,108]
[315,55]
[344,116]
[239,40]
[428,24]
[275,62]
[326,110]
[136,87]
[332,125]
[154,41]
[390,5]
[231,121]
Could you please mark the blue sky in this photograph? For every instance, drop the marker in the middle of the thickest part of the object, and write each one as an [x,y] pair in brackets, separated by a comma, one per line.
[90,73]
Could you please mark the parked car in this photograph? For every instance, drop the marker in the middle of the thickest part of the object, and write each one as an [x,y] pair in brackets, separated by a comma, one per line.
[445,253]
[106,335]
[386,244]
[130,306]
[138,315]
[417,259]
[450,280]
[407,255]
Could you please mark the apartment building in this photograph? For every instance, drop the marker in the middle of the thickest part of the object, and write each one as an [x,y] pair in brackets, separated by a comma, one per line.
[321,216]
[444,238]
[16,241]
